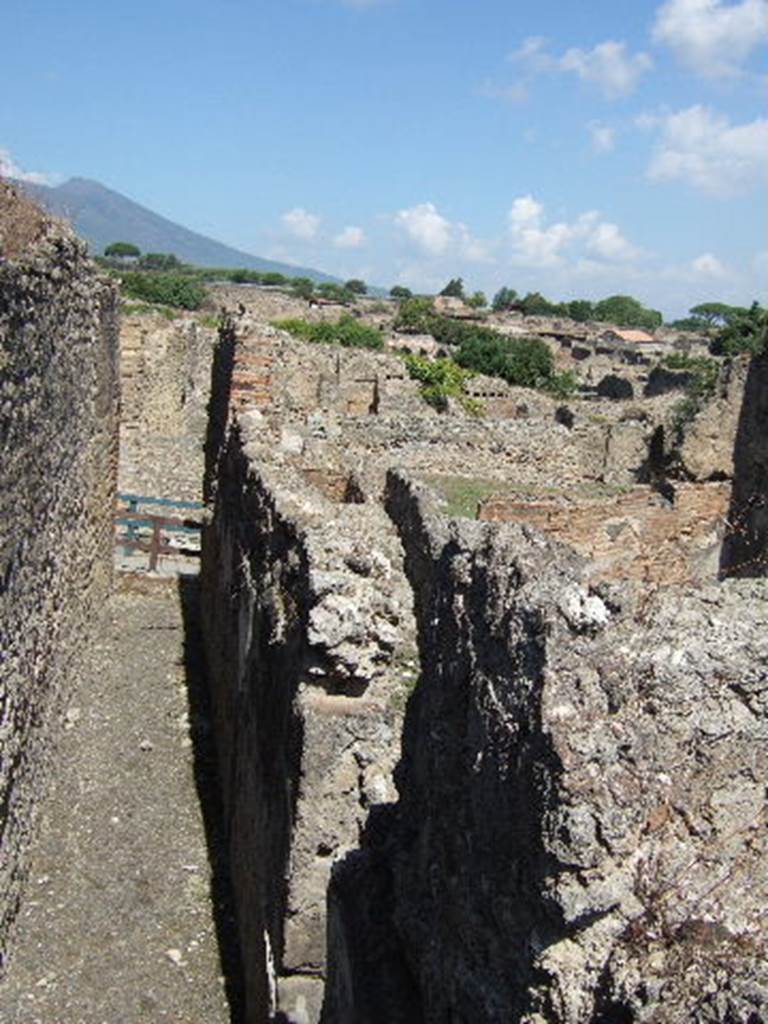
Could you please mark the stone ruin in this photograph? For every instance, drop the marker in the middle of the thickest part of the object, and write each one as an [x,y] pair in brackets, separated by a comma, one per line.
[573,827]
[501,763]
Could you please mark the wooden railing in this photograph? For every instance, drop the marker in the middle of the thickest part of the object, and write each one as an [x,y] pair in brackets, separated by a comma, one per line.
[137,530]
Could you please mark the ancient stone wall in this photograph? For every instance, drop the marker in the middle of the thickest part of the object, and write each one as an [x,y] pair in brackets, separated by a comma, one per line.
[540,833]
[310,646]
[640,534]
[745,552]
[703,447]
[580,834]
[165,371]
[326,404]
[58,462]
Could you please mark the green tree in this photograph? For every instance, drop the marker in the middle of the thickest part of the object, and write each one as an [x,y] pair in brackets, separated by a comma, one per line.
[534,304]
[399,291]
[159,261]
[745,332]
[504,298]
[716,314]
[303,287]
[624,311]
[356,286]
[580,310]
[688,323]
[335,292]
[477,300]
[275,278]
[122,251]
[454,289]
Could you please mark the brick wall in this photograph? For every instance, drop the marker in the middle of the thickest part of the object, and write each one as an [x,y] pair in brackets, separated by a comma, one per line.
[638,535]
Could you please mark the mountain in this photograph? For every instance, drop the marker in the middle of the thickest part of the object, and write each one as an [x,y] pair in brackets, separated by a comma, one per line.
[101,216]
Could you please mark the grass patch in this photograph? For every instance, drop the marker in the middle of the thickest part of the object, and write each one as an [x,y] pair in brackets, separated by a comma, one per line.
[346,331]
[145,309]
[461,495]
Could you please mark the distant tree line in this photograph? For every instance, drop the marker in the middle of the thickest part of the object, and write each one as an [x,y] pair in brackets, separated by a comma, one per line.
[164,278]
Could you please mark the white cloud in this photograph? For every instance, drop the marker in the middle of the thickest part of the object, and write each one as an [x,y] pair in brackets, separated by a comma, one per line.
[710,37]
[440,238]
[608,66]
[301,224]
[536,244]
[532,53]
[702,149]
[526,212]
[426,227]
[10,169]
[607,242]
[708,265]
[603,137]
[350,238]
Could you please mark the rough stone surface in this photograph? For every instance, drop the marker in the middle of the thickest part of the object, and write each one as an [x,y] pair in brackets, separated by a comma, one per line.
[58,441]
[705,449]
[640,534]
[556,830]
[745,552]
[580,835]
[310,646]
[165,372]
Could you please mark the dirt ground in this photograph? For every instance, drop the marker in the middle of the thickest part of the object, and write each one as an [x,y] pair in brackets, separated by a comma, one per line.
[127,917]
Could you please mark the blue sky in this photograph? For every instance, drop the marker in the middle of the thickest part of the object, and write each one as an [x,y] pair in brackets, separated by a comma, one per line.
[574,149]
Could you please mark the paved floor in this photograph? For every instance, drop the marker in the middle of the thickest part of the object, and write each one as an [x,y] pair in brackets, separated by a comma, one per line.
[122,910]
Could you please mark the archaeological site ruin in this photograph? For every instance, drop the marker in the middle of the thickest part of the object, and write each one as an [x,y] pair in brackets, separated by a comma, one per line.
[476,707]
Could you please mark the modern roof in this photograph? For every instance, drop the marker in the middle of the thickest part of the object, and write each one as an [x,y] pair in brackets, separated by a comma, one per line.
[632,334]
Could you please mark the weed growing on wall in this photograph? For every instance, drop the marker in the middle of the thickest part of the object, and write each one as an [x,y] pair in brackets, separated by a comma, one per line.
[705,374]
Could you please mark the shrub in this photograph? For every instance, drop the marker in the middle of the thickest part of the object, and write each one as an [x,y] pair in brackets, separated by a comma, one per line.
[562,385]
[703,384]
[523,361]
[335,292]
[415,316]
[440,380]
[159,261]
[167,289]
[302,287]
[346,331]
